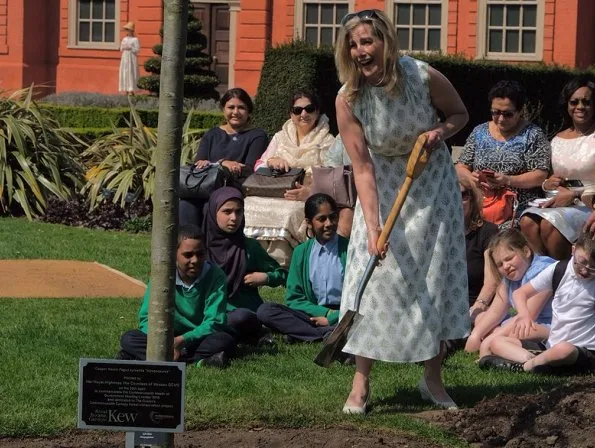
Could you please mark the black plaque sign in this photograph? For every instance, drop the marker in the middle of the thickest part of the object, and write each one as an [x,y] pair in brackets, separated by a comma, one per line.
[131,395]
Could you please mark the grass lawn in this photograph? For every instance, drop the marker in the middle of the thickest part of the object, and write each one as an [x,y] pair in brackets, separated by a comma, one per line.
[42,340]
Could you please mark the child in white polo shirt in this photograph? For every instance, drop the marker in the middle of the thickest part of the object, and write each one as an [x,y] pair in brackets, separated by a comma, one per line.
[570,347]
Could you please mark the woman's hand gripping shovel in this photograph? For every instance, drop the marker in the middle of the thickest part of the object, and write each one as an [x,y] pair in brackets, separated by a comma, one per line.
[336,341]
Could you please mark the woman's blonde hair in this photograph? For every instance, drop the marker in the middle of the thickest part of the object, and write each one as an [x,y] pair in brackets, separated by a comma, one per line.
[512,239]
[475,204]
[349,73]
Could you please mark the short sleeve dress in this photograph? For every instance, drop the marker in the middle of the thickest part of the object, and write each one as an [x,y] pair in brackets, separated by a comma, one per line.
[418,296]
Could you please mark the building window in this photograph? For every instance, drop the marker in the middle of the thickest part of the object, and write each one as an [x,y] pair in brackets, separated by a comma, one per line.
[318,22]
[93,23]
[421,24]
[513,29]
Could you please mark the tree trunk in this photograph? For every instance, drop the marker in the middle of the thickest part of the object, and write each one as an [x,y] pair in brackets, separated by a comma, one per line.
[165,197]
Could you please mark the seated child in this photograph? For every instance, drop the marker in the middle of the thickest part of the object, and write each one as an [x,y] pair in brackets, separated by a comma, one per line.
[514,261]
[570,347]
[315,279]
[200,304]
[244,261]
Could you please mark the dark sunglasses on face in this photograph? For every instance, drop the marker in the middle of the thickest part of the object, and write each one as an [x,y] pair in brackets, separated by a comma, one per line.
[504,113]
[365,14]
[584,101]
[297,110]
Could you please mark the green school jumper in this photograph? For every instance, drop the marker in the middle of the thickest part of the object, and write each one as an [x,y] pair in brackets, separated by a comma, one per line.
[199,311]
[257,260]
[299,295]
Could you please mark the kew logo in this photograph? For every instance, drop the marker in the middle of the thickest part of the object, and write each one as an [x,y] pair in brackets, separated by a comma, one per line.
[114,416]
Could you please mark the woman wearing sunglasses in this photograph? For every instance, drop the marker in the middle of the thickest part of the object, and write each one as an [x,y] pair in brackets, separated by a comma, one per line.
[555,225]
[507,153]
[418,298]
[302,142]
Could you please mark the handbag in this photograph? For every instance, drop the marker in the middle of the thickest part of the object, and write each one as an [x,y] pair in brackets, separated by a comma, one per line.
[500,206]
[271,183]
[338,182]
[199,183]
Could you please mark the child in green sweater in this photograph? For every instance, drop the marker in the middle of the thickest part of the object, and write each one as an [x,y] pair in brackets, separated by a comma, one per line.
[315,279]
[200,334]
[244,261]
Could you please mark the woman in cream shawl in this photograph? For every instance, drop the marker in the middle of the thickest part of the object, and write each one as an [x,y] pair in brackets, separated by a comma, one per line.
[302,142]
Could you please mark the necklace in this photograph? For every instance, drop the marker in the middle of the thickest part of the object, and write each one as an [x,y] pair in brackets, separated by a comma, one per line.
[587,132]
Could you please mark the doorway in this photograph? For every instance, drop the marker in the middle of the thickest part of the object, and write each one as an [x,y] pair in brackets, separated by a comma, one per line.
[215,25]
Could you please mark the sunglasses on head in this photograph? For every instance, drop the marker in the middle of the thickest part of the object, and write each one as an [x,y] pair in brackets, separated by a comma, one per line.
[297,110]
[504,113]
[365,14]
[584,101]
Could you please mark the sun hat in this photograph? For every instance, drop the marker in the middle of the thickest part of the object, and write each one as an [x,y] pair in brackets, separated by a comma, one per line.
[129,26]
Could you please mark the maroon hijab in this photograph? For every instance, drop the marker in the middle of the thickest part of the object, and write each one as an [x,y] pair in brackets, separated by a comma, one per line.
[226,250]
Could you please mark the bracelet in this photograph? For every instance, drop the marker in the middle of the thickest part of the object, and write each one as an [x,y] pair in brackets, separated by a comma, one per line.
[543,186]
[483,302]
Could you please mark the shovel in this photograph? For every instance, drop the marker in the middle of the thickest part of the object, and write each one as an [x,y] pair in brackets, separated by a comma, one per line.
[336,341]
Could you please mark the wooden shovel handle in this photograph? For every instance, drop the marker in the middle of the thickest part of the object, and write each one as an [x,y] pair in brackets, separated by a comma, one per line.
[418,160]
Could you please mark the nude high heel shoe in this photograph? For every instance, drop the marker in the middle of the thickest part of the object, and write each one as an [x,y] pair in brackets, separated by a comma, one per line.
[357,410]
[427,395]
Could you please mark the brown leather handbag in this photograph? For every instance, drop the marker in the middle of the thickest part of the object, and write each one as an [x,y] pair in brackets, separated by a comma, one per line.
[271,183]
[337,182]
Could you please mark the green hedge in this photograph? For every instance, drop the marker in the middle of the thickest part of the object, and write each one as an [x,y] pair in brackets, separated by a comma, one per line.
[290,67]
[304,65]
[99,117]
[89,135]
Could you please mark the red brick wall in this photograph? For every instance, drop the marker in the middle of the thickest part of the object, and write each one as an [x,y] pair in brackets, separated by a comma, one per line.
[252,39]
[11,44]
[585,42]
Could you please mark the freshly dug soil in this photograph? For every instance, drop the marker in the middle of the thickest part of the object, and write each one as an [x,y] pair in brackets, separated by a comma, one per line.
[562,417]
[334,437]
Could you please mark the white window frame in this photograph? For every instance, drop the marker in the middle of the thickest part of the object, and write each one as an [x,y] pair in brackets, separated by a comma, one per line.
[73,27]
[299,24]
[483,26]
[443,23]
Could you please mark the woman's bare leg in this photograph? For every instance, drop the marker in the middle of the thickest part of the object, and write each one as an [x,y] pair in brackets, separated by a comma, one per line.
[360,387]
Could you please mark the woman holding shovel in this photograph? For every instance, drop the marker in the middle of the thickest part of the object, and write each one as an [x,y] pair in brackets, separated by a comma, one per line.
[418,297]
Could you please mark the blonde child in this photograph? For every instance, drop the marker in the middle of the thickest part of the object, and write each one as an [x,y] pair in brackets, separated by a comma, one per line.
[515,263]
[570,347]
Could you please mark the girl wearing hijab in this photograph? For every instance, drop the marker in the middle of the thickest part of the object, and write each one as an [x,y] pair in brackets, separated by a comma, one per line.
[244,261]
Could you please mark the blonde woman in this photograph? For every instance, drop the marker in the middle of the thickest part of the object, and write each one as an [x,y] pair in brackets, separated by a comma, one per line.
[130,46]
[418,297]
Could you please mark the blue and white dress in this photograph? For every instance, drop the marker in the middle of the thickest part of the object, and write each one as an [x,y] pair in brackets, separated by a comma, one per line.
[418,296]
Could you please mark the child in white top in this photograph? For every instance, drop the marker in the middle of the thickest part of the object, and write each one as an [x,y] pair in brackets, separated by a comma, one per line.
[570,347]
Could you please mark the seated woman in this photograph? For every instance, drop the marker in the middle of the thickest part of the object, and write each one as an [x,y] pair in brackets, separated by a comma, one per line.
[235,144]
[507,152]
[201,335]
[301,143]
[512,258]
[478,233]
[552,227]
[243,260]
[315,279]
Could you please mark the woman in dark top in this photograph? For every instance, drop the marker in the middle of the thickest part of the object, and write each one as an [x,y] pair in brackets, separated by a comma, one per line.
[482,284]
[235,145]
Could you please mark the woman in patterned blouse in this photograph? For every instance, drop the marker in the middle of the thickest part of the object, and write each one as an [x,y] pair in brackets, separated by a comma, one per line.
[507,152]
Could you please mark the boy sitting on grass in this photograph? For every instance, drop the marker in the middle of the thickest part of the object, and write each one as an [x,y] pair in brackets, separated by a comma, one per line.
[570,347]
[200,331]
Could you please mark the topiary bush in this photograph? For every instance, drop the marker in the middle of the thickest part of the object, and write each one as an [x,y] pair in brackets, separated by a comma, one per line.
[199,80]
[287,68]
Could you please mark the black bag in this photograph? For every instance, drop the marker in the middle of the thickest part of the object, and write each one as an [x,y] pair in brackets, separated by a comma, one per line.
[199,183]
[271,183]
